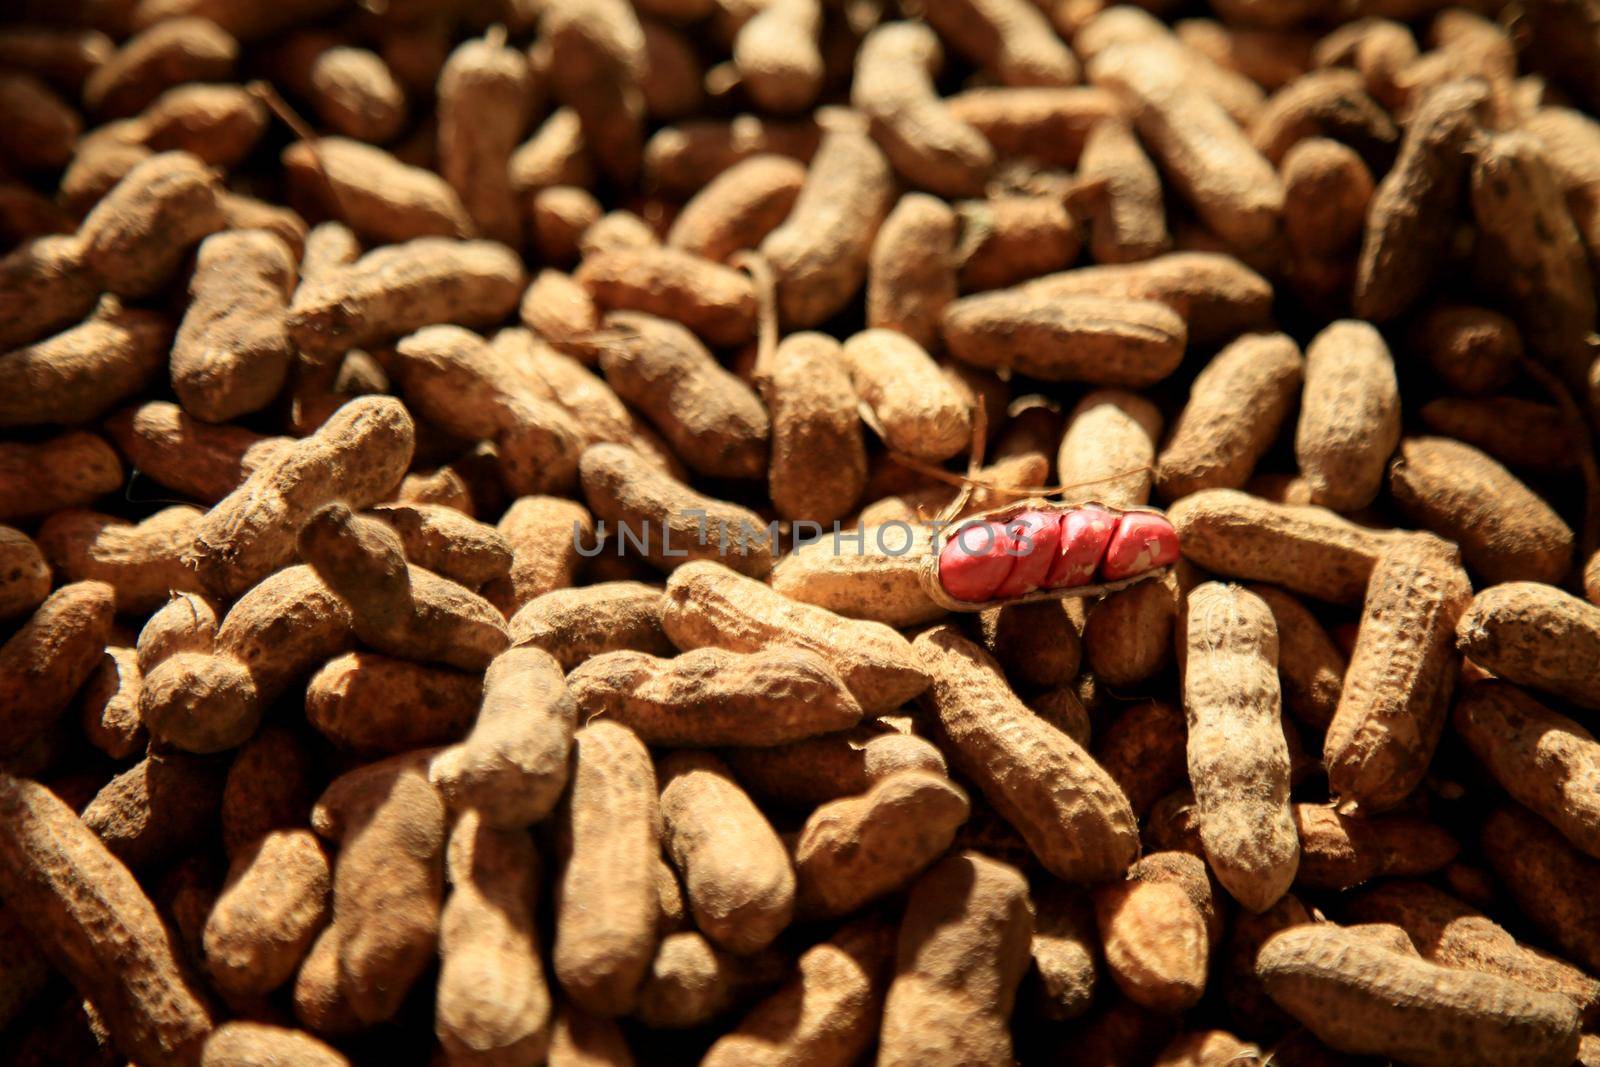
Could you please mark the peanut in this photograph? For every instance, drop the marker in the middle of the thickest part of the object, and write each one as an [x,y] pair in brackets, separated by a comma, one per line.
[1072,814]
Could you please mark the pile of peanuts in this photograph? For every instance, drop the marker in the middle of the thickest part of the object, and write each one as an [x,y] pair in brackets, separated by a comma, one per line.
[479,481]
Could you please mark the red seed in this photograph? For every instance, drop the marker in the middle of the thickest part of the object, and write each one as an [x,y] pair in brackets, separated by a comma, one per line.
[1034,538]
[1143,542]
[1085,533]
[974,561]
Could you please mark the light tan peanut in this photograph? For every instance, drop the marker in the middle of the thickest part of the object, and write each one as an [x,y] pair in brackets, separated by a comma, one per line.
[710,417]
[715,301]
[684,159]
[1217,296]
[217,124]
[1012,41]
[545,534]
[911,274]
[1452,934]
[247,1044]
[390,292]
[1306,550]
[1207,157]
[165,54]
[854,850]
[559,216]
[666,521]
[1539,756]
[807,774]
[1127,25]
[352,90]
[818,463]
[712,697]
[1010,239]
[574,625]
[1567,139]
[513,766]
[96,925]
[141,562]
[1106,341]
[186,623]
[1396,692]
[1237,758]
[1236,407]
[45,661]
[388,882]
[232,352]
[1155,943]
[609,827]
[1531,250]
[691,981]
[446,542]
[493,1005]
[1127,219]
[1396,1004]
[397,608]
[555,154]
[820,253]
[1349,417]
[45,286]
[739,208]
[894,88]
[1207,1047]
[560,311]
[358,455]
[1064,950]
[920,412]
[188,456]
[1072,814]
[273,905]
[598,62]
[136,238]
[1311,667]
[1338,851]
[825,1015]
[1049,125]
[365,702]
[777,55]
[737,876]
[1506,532]
[83,372]
[1329,104]
[110,704]
[962,951]
[485,97]
[1408,222]
[709,605]
[376,195]
[455,380]
[1110,432]
[1379,48]
[212,699]
[1534,635]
